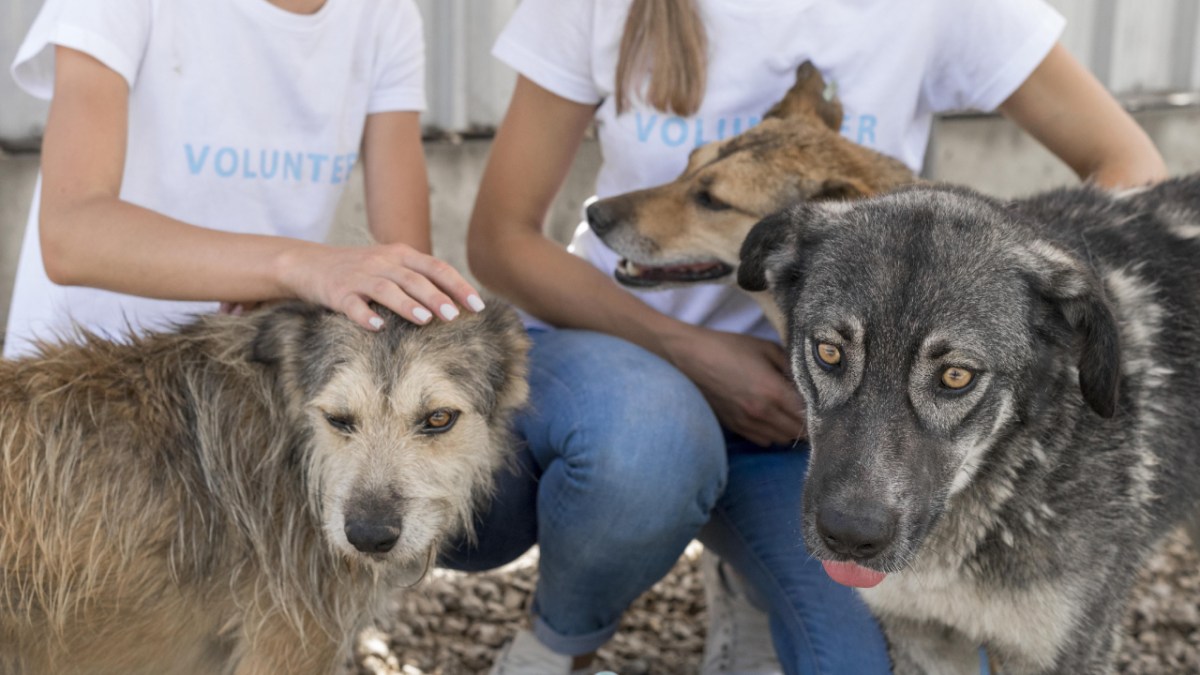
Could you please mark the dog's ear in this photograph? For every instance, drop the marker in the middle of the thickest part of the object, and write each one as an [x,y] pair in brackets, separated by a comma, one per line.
[810,96]
[283,340]
[842,188]
[767,248]
[1075,292]
[509,370]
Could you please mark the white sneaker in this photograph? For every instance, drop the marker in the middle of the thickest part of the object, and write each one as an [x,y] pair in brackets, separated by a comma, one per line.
[526,655]
[739,634]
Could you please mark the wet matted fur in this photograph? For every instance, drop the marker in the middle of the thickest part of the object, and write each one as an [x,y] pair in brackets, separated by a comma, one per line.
[691,229]
[1002,402]
[236,496]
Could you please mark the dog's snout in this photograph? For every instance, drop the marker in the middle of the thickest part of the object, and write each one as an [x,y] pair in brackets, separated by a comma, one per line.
[371,536]
[600,218]
[860,533]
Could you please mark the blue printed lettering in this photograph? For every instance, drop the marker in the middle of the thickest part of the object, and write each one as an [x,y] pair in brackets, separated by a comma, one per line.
[233,162]
[268,174]
[700,132]
[866,129]
[338,169]
[721,129]
[292,163]
[643,130]
[196,164]
[246,172]
[317,161]
[351,159]
[678,123]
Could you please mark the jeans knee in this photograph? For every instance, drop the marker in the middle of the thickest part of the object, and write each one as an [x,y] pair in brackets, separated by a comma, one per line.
[663,481]
[634,437]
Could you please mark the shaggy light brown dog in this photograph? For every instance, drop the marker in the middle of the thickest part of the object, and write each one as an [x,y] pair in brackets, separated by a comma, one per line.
[236,495]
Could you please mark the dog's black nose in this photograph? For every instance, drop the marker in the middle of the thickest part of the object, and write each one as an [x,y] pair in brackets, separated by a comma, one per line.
[600,218]
[860,534]
[371,537]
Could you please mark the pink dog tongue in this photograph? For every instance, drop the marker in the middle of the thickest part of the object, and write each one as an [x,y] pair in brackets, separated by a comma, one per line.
[850,574]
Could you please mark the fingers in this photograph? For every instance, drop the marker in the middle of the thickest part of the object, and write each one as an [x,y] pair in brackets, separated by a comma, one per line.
[779,358]
[359,312]
[417,287]
[412,296]
[443,275]
[776,415]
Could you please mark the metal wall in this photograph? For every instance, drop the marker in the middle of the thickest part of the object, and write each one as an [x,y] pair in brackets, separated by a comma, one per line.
[1132,45]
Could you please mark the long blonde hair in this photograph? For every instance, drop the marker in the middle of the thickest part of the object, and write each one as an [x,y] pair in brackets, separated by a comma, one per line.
[665,42]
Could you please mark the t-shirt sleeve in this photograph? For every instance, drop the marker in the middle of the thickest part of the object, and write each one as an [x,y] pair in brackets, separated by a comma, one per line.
[398,81]
[550,42]
[114,32]
[985,49]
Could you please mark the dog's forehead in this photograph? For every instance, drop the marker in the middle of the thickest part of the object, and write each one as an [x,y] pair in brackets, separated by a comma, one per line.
[412,366]
[914,265]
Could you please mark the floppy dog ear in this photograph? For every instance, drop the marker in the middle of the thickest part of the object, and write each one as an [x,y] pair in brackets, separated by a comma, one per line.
[842,188]
[509,369]
[279,330]
[284,344]
[810,96]
[1078,296]
[769,236]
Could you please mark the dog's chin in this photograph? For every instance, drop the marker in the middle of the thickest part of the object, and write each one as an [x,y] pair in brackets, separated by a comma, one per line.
[671,275]
[404,567]
[411,570]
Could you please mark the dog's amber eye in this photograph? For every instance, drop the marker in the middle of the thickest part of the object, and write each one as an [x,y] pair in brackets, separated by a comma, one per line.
[439,421]
[957,378]
[342,422]
[828,355]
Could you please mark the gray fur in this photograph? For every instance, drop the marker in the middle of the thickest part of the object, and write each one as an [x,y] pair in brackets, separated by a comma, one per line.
[1017,514]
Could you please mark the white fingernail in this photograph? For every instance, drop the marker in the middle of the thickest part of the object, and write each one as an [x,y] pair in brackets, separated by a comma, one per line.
[422,315]
[475,303]
[376,322]
[448,311]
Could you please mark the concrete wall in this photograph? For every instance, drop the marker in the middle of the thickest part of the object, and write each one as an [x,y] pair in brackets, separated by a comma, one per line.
[986,152]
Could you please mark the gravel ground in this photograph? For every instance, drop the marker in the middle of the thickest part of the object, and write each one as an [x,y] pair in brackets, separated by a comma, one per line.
[454,623]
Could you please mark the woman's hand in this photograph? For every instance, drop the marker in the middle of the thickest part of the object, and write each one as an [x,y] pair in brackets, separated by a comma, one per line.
[746,381]
[412,284]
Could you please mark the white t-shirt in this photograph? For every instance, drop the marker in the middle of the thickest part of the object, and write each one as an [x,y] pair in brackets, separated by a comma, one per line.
[895,65]
[243,117]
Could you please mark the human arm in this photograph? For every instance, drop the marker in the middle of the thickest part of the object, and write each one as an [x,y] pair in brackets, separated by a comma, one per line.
[742,377]
[91,237]
[396,183]
[1066,108]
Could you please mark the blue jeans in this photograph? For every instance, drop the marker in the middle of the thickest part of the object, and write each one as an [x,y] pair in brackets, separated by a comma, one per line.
[624,463]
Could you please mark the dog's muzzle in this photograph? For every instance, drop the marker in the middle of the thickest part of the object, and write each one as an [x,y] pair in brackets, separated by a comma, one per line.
[373,537]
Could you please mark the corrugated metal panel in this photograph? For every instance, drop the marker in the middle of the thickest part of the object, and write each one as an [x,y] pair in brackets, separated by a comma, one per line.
[21,116]
[468,89]
[1132,46]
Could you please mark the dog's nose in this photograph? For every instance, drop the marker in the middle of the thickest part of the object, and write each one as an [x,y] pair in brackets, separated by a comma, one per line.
[371,537]
[600,218]
[861,534]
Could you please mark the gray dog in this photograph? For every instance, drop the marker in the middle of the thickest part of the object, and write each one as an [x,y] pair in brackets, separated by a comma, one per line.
[1002,402]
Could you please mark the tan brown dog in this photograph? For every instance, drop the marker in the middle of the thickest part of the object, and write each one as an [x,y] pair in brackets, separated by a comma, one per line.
[237,496]
[691,229]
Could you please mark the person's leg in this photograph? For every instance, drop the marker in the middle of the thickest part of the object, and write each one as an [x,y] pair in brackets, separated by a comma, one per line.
[629,460]
[818,625]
